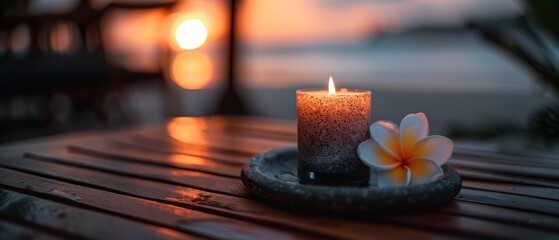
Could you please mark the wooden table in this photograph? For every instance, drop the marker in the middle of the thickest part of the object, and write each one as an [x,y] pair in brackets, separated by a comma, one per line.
[181,180]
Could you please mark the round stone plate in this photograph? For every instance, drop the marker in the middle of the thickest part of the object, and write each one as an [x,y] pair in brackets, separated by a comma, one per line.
[272,176]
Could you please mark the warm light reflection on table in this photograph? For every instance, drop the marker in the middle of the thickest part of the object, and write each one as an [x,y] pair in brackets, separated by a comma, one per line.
[184,129]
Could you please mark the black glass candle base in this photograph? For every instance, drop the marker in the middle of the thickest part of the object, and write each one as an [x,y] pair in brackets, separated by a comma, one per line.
[358,179]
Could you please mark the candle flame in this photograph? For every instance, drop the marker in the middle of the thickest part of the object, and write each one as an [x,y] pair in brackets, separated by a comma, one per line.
[331,86]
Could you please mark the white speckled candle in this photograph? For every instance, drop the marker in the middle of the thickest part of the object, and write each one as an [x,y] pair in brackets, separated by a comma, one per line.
[329,129]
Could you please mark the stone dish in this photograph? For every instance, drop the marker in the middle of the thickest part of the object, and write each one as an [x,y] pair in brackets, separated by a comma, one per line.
[272,177]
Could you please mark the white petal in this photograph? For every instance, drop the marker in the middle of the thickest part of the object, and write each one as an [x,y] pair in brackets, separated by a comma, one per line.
[424,171]
[373,155]
[386,134]
[413,128]
[435,148]
[396,177]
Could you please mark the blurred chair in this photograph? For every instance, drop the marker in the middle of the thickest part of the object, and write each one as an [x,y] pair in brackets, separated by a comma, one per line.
[53,66]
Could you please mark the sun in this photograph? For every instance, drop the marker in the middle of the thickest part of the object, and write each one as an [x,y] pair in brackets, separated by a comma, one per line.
[191,34]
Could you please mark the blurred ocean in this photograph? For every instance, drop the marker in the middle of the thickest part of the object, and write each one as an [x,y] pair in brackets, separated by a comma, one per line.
[416,61]
[453,76]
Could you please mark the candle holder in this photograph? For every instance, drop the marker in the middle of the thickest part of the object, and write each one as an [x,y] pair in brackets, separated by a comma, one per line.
[272,177]
[330,127]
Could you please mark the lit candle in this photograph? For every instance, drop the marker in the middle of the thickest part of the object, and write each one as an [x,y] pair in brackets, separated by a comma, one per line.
[330,126]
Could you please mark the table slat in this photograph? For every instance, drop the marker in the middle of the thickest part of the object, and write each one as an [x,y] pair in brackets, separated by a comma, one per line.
[148,211]
[75,222]
[12,230]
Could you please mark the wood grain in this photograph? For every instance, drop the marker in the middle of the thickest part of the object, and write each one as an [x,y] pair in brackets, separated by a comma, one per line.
[199,180]
[500,177]
[13,230]
[504,215]
[78,223]
[148,157]
[181,180]
[530,191]
[512,201]
[152,212]
[539,172]
[198,151]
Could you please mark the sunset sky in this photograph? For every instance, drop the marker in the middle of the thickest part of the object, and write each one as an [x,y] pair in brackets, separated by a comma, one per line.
[135,39]
[291,22]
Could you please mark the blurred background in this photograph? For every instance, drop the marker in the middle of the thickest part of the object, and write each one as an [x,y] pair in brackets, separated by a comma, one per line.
[485,72]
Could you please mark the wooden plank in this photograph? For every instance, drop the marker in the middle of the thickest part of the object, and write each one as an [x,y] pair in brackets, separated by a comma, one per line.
[49,142]
[116,146]
[163,147]
[511,201]
[220,133]
[252,133]
[219,138]
[232,144]
[233,123]
[542,163]
[497,177]
[505,215]
[257,130]
[152,212]
[258,124]
[539,172]
[224,149]
[75,222]
[224,205]
[12,230]
[160,159]
[531,157]
[471,227]
[198,180]
[265,124]
[530,191]
[228,159]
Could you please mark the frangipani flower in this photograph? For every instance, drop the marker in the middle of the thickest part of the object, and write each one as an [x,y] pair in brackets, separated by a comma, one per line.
[405,156]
